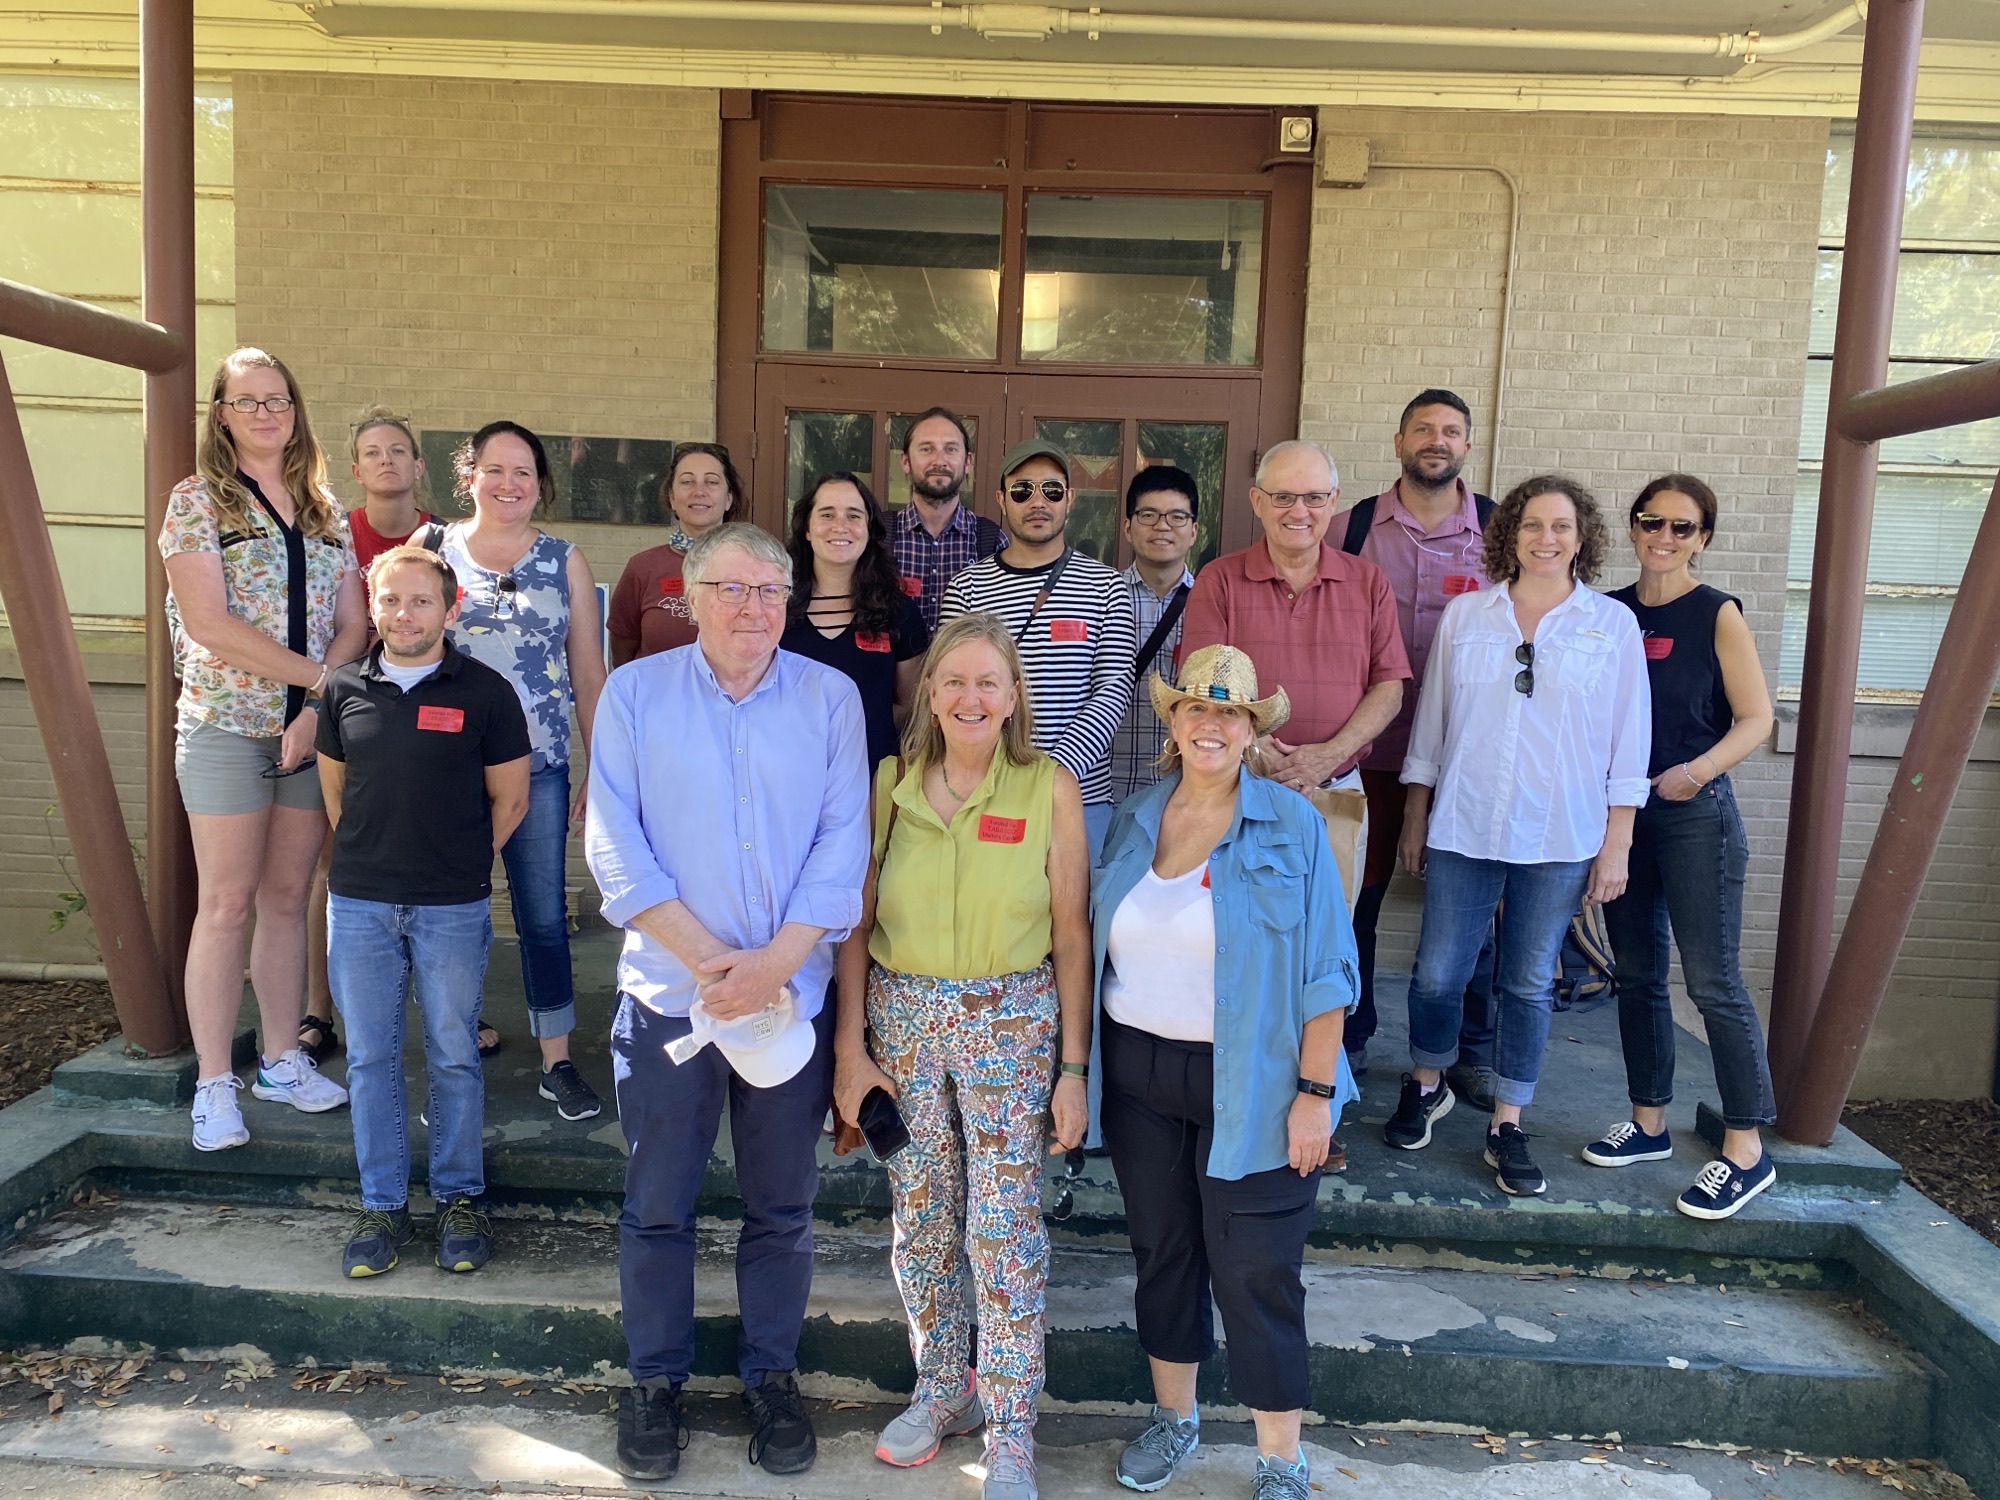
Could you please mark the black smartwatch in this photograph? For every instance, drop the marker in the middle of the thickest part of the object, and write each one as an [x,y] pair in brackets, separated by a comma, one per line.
[1315,1088]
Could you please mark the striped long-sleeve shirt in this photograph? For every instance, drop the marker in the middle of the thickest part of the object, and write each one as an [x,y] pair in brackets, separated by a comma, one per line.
[1076,650]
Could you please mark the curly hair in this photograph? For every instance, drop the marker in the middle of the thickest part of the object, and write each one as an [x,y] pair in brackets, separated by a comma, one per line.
[1503,530]
[314,508]
[877,586]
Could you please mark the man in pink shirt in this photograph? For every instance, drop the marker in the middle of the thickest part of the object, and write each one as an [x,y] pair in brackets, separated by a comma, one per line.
[1425,533]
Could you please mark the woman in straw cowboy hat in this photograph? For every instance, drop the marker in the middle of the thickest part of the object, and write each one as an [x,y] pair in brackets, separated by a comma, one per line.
[1226,967]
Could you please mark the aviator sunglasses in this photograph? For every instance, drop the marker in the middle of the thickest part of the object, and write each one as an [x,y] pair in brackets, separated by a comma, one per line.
[1021,491]
[1649,523]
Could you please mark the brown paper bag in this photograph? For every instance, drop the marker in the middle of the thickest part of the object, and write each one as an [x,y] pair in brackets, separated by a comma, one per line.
[1346,814]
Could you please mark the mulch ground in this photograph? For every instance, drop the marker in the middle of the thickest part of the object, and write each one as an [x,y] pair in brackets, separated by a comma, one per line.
[1949,1148]
[43,1024]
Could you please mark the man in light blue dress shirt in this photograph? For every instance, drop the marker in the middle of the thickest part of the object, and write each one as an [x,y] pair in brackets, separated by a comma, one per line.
[727,829]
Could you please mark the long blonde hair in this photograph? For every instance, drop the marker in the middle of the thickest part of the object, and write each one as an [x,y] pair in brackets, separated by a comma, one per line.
[317,513]
[923,740]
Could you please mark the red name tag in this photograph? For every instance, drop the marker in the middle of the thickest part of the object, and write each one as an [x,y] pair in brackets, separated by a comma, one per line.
[1204,879]
[872,640]
[914,587]
[994,830]
[673,585]
[446,720]
[1459,583]
[1659,647]
[1069,630]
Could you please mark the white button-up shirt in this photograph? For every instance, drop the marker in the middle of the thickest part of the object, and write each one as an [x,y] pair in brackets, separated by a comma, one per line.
[1528,779]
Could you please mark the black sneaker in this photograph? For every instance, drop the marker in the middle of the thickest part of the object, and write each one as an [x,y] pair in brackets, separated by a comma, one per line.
[781,1437]
[564,1087]
[1625,1143]
[373,1240]
[1471,1083]
[1409,1128]
[1723,1187]
[652,1430]
[1507,1154]
[465,1236]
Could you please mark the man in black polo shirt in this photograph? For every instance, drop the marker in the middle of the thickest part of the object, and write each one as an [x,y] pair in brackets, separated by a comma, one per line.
[423,758]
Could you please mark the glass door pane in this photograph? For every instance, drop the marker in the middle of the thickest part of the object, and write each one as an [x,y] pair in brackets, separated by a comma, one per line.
[1097,462]
[1199,448]
[827,442]
[898,482]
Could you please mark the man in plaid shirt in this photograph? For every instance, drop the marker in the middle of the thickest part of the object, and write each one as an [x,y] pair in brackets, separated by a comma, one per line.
[935,537]
[1162,521]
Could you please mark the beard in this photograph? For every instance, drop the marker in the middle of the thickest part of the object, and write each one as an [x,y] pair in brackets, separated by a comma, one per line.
[936,490]
[1413,470]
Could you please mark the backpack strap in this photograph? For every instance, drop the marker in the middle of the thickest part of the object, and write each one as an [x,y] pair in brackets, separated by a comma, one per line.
[1359,519]
[1485,508]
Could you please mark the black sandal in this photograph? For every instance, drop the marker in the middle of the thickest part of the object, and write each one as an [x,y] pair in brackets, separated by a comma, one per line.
[317,1039]
[486,1048]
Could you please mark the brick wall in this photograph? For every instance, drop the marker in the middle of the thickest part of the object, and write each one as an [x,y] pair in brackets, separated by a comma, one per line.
[1660,314]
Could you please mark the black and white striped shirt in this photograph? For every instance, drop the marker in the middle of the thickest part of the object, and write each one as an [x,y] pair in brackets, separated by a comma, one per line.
[1076,651]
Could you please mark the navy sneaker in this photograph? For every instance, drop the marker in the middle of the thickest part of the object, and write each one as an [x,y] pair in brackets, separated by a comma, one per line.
[652,1430]
[1723,1187]
[1625,1143]
[373,1240]
[1409,1128]
[465,1236]
[1514,1168]
[564,1087]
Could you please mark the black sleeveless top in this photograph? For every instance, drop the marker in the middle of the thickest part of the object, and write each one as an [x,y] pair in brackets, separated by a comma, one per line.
[1690,709]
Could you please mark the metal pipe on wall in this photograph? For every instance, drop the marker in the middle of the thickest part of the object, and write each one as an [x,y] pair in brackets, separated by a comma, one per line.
[166,117]
[1883,122]
[1968,395]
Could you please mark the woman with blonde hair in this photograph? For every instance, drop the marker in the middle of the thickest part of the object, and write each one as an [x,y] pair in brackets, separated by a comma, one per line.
[966,978]
[264,601]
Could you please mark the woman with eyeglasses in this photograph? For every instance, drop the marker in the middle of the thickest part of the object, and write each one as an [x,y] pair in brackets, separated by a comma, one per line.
[264,602]
[851,613]
[649,608]
[1527,764]
[965,981]
[528,609]
[1711,708]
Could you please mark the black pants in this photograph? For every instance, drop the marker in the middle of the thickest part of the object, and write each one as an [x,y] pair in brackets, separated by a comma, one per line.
[1192,1233]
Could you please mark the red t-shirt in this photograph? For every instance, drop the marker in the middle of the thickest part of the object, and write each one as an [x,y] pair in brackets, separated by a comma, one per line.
[650,605]
[370,544]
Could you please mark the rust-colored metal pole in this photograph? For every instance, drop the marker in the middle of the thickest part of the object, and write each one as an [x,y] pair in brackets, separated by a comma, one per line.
[1840,551]
[38,615]
[1933,763]
[57,322]
[166,116]
[1971,394]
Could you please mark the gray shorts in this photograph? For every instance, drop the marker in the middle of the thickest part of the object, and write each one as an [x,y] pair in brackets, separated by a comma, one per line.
[223,773]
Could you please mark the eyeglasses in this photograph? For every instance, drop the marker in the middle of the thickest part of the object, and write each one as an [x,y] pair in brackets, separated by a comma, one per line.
[1021,491]
[1311,499]
[1065,1204]
[504,589]
[1524,680]
[274,773]
[1150,518]
[1651,524]
[736,595]
[277,406]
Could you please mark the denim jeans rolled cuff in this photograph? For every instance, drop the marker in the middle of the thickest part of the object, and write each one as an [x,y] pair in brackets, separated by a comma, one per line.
[535,856]
[377,955]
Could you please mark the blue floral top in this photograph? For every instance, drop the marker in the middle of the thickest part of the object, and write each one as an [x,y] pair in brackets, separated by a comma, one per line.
[517,623]
[1284,953]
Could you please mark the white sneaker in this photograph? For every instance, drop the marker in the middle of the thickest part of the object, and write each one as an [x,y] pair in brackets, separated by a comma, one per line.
[295,1079]
[218,1123]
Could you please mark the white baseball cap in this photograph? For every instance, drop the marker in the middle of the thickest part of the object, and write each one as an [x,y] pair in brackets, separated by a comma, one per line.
[764,1049]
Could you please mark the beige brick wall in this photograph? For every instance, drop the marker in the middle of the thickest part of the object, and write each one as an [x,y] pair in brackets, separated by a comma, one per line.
[1660,315]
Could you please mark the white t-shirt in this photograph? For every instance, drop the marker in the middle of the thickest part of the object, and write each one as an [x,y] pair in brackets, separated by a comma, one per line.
[1161,971]
[407,677]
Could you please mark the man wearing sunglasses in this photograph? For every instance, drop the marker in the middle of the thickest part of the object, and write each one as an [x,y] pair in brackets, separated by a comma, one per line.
[1070,617]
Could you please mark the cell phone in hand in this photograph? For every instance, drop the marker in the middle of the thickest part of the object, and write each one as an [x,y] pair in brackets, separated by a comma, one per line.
[882,1124]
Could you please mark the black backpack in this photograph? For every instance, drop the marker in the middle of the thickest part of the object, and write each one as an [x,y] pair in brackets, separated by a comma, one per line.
[1362,517]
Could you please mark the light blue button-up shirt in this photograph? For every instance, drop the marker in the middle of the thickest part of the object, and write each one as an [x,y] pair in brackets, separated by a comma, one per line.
[1284,953]
[751,814]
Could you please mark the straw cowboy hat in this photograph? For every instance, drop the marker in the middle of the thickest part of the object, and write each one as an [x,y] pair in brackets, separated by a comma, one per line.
[1221,674]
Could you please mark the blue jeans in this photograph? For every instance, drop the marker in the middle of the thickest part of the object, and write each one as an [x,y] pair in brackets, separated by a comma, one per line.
[1688,863]
[670,1114]
[535,857]
[373,951]
[1460,897]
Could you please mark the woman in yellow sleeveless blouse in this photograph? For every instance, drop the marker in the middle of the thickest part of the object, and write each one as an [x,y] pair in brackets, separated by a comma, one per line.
[966,978]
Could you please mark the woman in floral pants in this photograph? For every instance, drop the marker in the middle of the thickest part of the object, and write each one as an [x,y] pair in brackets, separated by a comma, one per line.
[966,980]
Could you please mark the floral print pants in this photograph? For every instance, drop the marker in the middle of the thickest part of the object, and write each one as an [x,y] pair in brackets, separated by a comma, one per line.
[974,1062]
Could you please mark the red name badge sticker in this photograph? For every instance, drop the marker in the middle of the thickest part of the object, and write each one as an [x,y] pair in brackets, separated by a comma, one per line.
[994,830]
[1459,583]
[444,720]
[913,587]
[1204,879]
[872,640]
[1659,647]
[673,586]
[1069,630]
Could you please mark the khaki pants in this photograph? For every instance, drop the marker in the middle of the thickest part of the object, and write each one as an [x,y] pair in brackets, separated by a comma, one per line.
[1344,806]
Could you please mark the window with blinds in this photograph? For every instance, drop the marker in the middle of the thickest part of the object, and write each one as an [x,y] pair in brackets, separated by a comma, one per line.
[1933,487]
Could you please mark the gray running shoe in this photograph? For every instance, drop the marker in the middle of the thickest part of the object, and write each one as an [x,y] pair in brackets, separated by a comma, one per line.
[1151,1458]
[914,1437]
[1278,1480]
[1010,1467]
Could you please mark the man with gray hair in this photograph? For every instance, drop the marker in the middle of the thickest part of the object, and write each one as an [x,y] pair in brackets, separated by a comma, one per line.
[727,826]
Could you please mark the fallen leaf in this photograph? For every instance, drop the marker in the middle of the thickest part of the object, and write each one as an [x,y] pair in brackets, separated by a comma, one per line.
[1357,1441]
[1594,1458]
[55,1404]
[1350,1473]
[849,1405]
[249,1481]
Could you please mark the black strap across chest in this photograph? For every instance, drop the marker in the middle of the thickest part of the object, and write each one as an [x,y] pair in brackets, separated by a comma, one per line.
[1161,631]
[295,591]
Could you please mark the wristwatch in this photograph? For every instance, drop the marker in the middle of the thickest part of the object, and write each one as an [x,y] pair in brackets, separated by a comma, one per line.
[1317,1089]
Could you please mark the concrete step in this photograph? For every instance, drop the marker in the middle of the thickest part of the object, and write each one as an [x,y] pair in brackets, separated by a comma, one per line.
[1546,1354]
